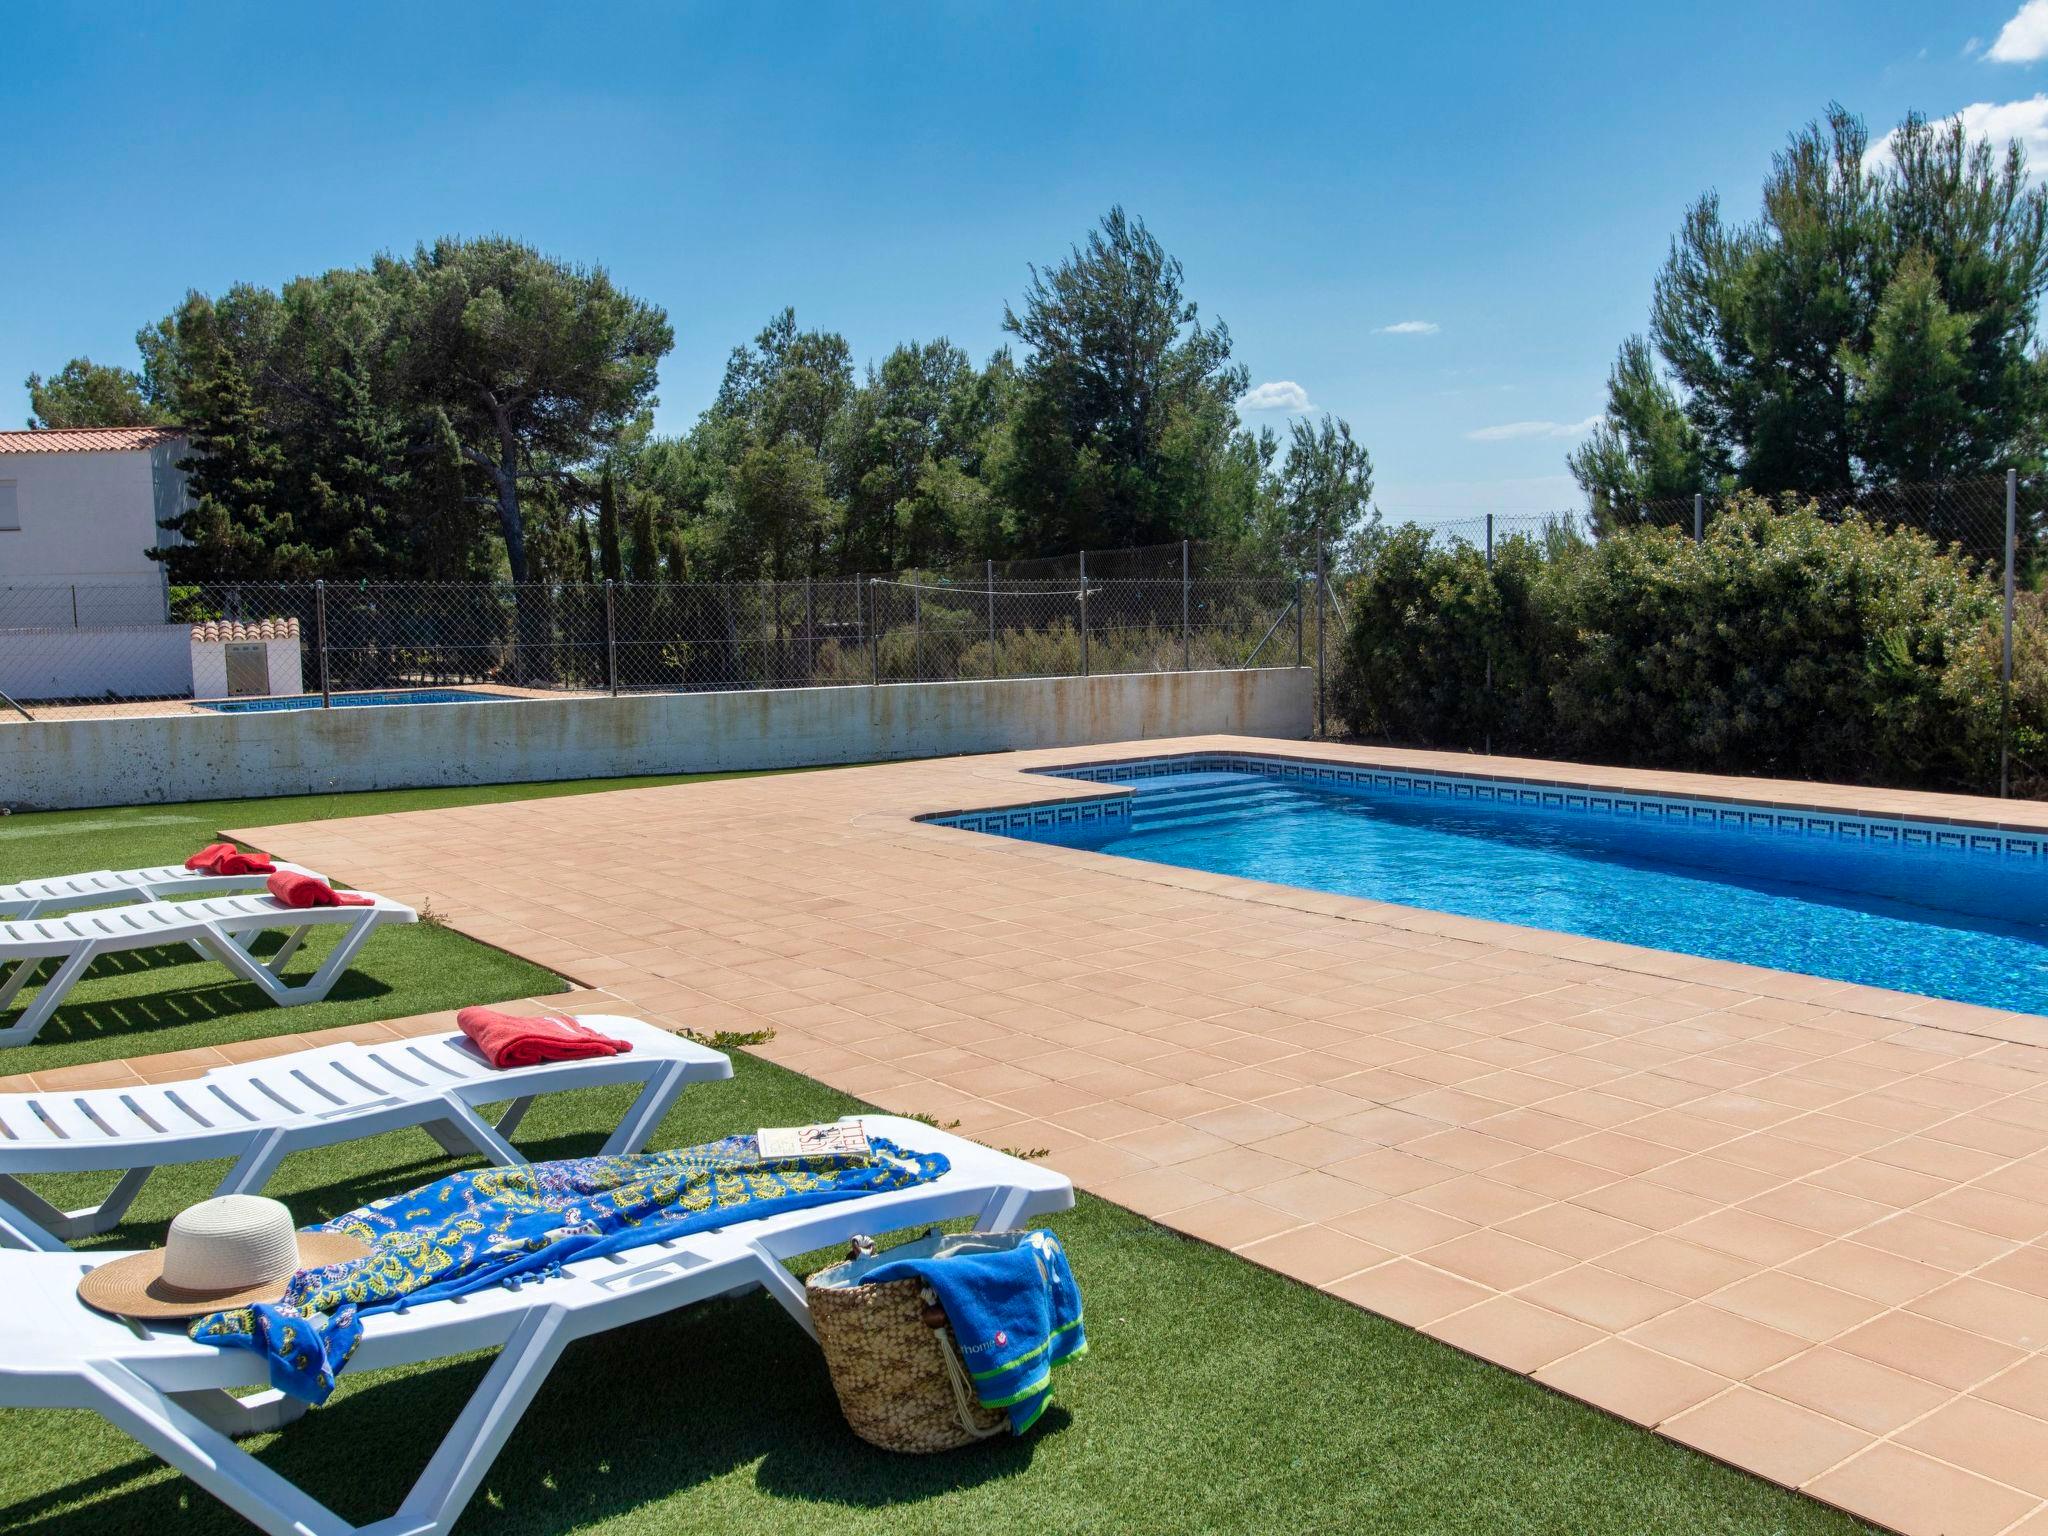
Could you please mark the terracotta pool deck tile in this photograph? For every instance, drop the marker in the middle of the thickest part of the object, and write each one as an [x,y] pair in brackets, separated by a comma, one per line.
[1847,1265]
[1400,1227]
[1409,1292]
[1311,1195]
[1229,1221]
[1315,1254]
[1631,1382]
[1704,1335]
[1828,1151]
[1766,1435]
[1977,1306]
[1479,1199]
[1512,1333]
[1672,1264]
[1495,1260]
[1848,1387]
[1984,1438]
[1918,1495]
[1613,1303]
[1784,1301]
[1919,1346]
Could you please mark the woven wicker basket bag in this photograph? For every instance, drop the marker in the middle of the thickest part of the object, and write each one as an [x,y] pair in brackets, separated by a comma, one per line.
[893,1359]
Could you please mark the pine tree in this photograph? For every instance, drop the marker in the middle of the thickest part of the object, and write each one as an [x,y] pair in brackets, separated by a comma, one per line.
[231,528]
[608,527]
[646,541]
[357,484]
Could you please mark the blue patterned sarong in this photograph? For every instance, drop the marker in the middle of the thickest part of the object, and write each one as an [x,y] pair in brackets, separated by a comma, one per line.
[498,1226]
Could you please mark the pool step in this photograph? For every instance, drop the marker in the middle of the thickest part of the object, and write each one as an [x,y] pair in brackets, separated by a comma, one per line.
[1178,807]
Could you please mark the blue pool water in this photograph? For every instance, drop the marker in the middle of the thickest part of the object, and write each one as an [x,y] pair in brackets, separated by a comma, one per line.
[349,701]
[1944,922]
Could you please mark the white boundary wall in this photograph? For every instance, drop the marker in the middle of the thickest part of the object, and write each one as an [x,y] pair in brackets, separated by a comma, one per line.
[134,661]
[139,759]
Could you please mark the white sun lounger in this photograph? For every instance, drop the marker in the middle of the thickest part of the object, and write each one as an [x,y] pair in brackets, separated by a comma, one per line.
[222,927]
[260,1112]
[107,887]
[173,1395]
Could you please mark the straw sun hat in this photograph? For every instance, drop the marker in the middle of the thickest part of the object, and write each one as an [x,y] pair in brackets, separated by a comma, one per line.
[233,1251]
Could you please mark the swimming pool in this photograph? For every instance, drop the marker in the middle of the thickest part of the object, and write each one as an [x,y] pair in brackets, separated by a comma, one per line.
[349,701]
[1944,910]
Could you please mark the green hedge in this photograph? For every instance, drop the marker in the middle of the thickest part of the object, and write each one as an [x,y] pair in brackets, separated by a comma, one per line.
[1783,644]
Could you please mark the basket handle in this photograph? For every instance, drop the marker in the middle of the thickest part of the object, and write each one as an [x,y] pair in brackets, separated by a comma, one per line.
[964,1401]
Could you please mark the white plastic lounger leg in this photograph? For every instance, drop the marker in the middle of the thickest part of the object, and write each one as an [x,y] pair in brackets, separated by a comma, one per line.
[37,1014]
[18,1229]
[86,1221]
[185,1429]
[285,951]
[228,950]
[486,1422]
[648,1111]
[779,1283]
[257,1414]
[254,1167]
[515,1112]
[207,1456]
[1004,1210]
[461,1130]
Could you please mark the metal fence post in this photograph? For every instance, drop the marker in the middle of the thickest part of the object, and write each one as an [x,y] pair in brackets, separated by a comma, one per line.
[1486,740]
[1699,518]
[810,636]
[1299,621]
[916,629]
[1084,613]
[2012,502]
[611,635]
[875,629]
[994,660]
[320,638]
[1185,664]
[1322,571]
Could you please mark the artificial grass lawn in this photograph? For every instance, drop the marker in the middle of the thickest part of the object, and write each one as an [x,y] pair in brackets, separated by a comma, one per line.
[169,1000]
[1216,1397]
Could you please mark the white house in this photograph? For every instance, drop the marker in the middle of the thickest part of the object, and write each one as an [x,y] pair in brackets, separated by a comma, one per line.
[79,509]
[84,611]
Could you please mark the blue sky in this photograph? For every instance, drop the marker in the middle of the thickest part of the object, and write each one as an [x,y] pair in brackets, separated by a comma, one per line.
[1507,175]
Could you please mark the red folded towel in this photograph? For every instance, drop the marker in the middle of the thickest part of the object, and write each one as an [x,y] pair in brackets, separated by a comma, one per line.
[297,890]
[227,859]
[515,1040]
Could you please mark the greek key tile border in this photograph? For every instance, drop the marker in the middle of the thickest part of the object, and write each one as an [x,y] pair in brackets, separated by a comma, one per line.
[1725,815]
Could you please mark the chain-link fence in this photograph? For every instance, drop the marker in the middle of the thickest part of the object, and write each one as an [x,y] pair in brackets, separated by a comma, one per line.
[319,642]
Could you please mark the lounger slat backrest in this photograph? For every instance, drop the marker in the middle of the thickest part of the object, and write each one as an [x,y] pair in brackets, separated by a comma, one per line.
[63,1117]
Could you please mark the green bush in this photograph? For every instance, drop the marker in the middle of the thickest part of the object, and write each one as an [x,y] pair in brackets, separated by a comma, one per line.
[1783,644]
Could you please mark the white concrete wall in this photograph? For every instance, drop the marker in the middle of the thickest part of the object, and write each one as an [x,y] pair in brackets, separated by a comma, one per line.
[89,518]
[210,666]
[159,758]
[138,661]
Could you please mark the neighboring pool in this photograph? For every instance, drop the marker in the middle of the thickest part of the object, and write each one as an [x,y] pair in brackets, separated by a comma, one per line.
[1943,910]
[350,701]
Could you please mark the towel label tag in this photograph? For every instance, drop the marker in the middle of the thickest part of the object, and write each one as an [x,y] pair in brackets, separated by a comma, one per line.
[811,1141]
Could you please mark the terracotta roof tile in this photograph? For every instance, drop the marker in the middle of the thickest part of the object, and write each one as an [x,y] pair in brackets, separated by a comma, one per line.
[87,439]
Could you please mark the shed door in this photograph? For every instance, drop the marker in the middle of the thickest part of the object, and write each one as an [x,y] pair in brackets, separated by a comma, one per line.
[248,668]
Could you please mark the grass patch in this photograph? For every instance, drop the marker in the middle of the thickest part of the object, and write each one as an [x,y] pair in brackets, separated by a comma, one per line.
[1216,1397]
[169,1000]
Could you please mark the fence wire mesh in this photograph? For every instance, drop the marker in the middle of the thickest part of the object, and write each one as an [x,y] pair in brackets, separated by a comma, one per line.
[304,639]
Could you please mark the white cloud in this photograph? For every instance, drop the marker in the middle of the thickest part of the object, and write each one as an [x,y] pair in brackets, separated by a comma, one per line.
[1512,431]
[1280,395]
[1430,327]
[2023,39]
[2026,121]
